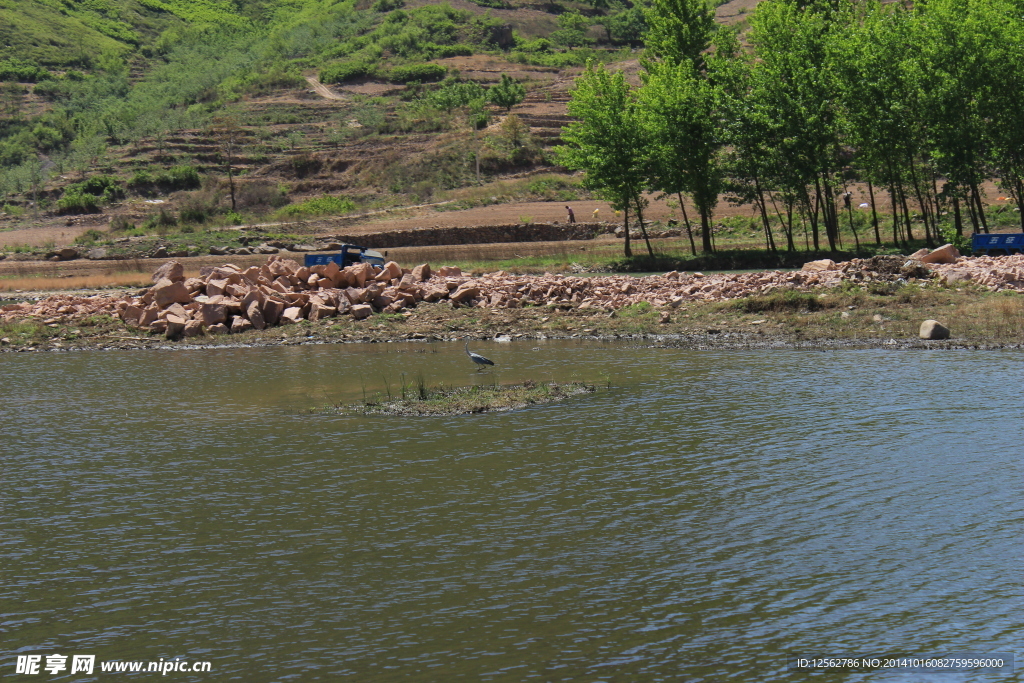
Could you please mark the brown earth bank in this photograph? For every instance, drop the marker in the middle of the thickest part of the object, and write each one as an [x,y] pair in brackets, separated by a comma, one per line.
[881,301]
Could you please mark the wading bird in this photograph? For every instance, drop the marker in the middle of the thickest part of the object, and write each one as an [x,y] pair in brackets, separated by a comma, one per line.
[478,359]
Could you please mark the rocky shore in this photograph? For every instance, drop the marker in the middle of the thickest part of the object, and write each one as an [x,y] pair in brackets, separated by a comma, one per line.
[229,300]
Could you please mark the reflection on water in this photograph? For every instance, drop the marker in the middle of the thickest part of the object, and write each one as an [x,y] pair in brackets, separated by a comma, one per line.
[706,515]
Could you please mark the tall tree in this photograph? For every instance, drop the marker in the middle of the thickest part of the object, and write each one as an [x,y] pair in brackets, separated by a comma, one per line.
[682,117]
[609,142]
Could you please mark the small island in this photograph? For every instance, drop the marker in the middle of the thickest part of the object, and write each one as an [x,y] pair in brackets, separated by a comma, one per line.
[420,400]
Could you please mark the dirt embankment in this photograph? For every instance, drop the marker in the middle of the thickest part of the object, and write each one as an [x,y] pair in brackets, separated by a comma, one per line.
[248,305]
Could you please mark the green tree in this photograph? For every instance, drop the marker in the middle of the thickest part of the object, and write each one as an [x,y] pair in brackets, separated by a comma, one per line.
[679,31]
[572,30]
[682,119]
[506,94]
[609,142]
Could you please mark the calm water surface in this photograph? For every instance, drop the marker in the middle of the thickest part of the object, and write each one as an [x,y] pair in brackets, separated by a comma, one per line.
[708,513]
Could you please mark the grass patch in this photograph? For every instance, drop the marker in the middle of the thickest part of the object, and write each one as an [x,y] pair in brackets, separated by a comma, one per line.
[416,398]
[777,302]
[320,206]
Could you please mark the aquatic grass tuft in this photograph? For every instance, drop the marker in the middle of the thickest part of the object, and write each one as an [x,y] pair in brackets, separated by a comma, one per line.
[441,400]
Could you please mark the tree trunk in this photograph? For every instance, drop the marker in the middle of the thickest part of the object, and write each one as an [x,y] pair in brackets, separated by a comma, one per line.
[686,220]
[906,214]
[643,228]
[958,222]
[874,215]
[925,213]
[812,216]
[769,239]
[625,223]
[1018,196]
[895,215]
[705,232]
[826,216]
[980,206]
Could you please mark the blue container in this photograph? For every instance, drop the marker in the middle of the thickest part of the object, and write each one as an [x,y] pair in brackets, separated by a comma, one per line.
[350,253]
[1006,242]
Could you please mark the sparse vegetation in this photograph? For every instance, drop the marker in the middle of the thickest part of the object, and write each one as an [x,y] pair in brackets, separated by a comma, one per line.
[416,398]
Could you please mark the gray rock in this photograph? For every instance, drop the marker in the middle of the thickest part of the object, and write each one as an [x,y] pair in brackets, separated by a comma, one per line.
[302,247]
[63,254]
[97,254]
[220,251]
[933,329]
[159,252]
[266,249]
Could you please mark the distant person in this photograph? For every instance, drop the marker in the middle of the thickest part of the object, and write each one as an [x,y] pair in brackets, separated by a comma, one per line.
[572,216]
[846,199]
[596,211]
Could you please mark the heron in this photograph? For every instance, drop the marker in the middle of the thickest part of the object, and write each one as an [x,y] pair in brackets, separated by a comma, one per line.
[478,359]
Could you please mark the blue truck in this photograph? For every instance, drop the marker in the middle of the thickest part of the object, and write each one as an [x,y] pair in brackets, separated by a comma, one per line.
[349,254]
[986,243]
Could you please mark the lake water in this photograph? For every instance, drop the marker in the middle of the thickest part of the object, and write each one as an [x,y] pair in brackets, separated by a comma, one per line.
[699,519]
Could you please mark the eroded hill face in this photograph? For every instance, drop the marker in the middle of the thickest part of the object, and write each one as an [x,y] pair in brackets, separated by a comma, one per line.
[135,89]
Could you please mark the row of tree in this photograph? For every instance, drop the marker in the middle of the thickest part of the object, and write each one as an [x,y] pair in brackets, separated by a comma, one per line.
[922,103]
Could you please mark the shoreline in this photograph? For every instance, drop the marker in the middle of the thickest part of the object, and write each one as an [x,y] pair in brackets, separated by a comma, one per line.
[864,303]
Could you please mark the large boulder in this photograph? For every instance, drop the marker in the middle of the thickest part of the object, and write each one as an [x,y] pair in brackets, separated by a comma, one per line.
[292,314]
[947,253]
[272,310]
[240,324]
[213,314]
[464,293]
[421,273]
[360,311]
[255,315]
[391,271]
[933,329]
[175,326]
[167,292]
[820,265]
[172,270]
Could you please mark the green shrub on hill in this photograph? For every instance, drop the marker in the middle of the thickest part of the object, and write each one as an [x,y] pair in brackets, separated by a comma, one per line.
[454,93]
[424,72]
[344,72]
[88,195]
[23,72]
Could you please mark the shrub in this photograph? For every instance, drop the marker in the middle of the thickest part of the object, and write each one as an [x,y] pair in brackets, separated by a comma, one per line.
[105,186]
[387,5]
[88,195]
[417,72]
[305,164]
[120,224]
[162,219]
[90,236]
[506,94]
[178,178]
[23,72]
[321,206]
[261,193]
[141,179]
[343,72]
[454,93]
[75,201]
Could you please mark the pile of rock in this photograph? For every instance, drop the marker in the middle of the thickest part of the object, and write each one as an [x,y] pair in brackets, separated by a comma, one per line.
[229,299]
[992,272]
